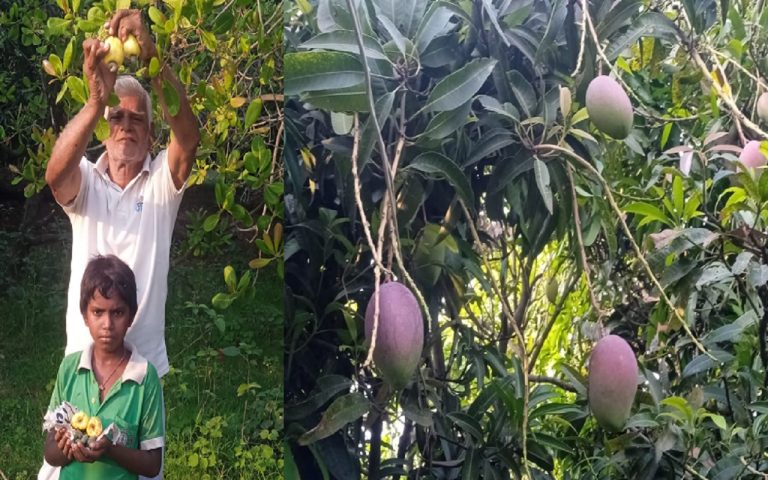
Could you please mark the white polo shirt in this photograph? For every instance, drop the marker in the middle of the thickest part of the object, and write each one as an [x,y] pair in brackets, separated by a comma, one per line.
[134,224]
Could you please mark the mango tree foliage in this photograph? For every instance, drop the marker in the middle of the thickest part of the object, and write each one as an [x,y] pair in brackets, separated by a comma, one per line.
[529,235]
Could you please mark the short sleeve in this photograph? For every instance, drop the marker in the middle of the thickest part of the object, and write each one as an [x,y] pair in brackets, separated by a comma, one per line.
[152,423]
[85,171]
[168,188]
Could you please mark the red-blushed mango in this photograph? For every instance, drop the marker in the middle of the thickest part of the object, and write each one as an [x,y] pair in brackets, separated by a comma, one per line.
[612,382]
[751,156]
[400,333]
[609,107]
[762,107]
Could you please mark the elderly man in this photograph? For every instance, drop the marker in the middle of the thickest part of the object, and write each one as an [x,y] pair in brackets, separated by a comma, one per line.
[126,203]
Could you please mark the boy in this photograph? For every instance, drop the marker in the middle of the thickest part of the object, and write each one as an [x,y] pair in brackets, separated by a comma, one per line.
[109,379]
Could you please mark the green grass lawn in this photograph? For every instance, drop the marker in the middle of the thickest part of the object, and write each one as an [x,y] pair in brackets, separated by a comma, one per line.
[223,394]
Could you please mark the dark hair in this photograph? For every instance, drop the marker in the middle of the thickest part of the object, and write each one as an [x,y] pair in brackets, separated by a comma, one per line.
[109,275]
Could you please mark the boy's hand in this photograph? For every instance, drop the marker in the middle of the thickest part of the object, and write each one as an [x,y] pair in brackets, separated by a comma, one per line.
[92,453]
[64,443]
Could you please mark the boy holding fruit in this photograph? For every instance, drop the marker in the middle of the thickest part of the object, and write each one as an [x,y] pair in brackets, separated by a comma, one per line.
[109,382]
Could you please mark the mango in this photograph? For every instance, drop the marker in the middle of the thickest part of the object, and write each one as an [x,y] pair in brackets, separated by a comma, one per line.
[609,107]
[762,107]
[751,156]
[400,333]
[612,382]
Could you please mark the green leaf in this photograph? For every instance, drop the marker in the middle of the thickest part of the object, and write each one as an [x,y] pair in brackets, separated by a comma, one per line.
[77,89]
[209,40]
[458,87]
[437,163]
[310,71]
[58,26]
[156,16]
[471,468]
[404,14]
[649,213]
[677,195]
[349,99]
[467,423]
[211,221]
[222,301]
[541,172]
[653,24]
[171,97]
[343,410]
[345,41]
[68,54]
[230,278]
[436,22]
[154,67]
[230,351]
[253,112]
[448,122]
[193,460]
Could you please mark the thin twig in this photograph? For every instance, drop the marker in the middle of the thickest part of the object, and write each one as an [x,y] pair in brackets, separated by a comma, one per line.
[554,381]
[583,40]
[520,338]
[582,252]
[631,238]
[378,267]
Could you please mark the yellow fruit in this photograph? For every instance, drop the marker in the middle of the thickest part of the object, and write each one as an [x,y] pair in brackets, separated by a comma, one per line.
[131,47]
[115,55]
[94,427]
[80,420]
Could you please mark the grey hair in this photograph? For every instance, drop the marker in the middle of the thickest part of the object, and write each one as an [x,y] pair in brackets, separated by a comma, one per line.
[126,85]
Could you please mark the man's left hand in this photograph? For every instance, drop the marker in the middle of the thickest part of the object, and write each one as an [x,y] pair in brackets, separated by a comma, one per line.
[126,22]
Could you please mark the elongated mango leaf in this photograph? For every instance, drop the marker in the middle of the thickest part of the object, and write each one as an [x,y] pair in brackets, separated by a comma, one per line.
[342,411]
[652,24]
[445,123]
[554,26]
[350,99]
[345,41]
[309,71]
[649,213]
[495,140]
[436,22]
[404,14]
[458,87]
[437,163]
[467,423]
[394,34]
[541,172]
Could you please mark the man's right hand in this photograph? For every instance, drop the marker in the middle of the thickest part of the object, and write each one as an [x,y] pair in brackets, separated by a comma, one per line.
[100,80]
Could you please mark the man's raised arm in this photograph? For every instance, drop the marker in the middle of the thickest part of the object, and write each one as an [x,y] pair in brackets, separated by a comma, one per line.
[63,172]
[184,126]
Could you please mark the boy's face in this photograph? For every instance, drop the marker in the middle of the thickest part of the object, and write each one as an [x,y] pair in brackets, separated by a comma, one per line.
[107,319]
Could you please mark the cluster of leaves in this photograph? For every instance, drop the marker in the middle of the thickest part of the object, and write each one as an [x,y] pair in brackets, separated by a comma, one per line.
[501,186]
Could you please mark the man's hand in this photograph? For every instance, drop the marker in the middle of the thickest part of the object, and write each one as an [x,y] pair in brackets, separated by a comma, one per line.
[126,22]
[100,80]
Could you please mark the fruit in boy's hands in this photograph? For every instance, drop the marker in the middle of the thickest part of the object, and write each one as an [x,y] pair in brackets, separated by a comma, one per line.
[80,420]
[131,47]
[115,55]
[94,427]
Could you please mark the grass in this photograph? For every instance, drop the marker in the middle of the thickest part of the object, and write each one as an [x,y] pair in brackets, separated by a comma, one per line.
[223,394]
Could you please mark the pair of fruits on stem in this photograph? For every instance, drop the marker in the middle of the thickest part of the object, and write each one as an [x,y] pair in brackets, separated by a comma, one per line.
[118,50]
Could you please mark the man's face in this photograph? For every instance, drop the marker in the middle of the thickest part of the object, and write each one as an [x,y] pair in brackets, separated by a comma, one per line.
[128,140]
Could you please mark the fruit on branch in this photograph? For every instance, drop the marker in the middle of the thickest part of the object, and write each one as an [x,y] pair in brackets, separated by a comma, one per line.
[609,107]
[115,55]
[612,382]
[400,333]
[751,156]
[131,47]
[762,107]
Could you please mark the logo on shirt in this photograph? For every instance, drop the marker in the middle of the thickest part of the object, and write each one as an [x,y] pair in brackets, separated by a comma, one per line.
[140,204]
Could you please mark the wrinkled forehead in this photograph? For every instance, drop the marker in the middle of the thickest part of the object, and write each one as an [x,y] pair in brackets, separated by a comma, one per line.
[131,104]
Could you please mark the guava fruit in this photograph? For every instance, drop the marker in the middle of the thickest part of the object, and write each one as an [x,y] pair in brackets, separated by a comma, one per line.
[400,333]
[115,55]
[131,47]
[612,382]
[609,107]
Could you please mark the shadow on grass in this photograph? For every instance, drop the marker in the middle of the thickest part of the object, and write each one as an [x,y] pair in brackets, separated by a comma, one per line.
[223,394]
